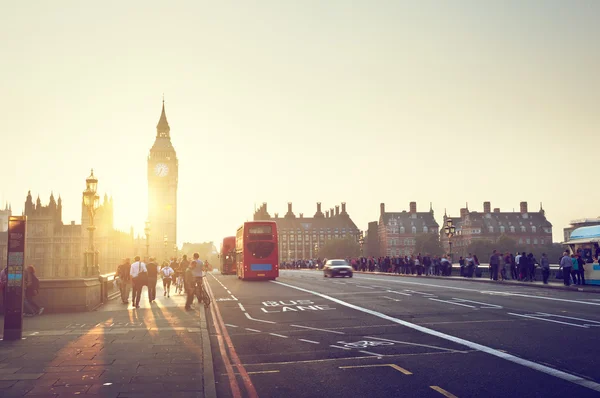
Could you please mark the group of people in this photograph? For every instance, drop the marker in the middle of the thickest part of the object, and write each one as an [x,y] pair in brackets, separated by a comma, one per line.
[573,268]
[186,275]
[32,288]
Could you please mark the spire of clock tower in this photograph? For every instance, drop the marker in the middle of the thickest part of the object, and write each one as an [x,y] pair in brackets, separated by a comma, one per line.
[162,128]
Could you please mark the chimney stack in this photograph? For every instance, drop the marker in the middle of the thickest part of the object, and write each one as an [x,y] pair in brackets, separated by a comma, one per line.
[382,208]
[331,212]
[413,207]
[289,207]
[463,212]
[497,210]
[326,213]
[318,207]
[343,207]
[523,207]
[337,210]
[487,207]
[265,207]
[301,215]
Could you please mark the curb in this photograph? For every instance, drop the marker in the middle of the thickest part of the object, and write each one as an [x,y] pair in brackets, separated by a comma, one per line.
[208,377]
[564,288]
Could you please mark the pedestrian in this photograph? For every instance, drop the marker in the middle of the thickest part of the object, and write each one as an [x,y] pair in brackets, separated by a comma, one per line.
[167,277]
[152,267]
[190,285]
[545,266]
[3,284]
[124,281]
[32,289]
[566,264]
[581,269]
[494,265]
[139,278]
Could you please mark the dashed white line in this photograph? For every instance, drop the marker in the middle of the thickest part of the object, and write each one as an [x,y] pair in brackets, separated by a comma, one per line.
[413,344]
[341,348]
[278,335]
[230,325]
[321,330]
[233,297]
[451,302]
[309,341]
[548,320]
[568,317]
[390,298]
[372,353]
[253,330]
[364,287]
[393,291]
[242,307]
[257,320]
[487,305]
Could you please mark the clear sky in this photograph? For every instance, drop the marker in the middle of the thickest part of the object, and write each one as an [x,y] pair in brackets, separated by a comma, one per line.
[304,101]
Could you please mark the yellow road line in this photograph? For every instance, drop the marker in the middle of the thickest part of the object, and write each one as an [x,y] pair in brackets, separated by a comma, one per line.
[391,365]
[443,392]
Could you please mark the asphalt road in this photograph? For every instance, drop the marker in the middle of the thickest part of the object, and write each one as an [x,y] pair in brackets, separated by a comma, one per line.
[379,336]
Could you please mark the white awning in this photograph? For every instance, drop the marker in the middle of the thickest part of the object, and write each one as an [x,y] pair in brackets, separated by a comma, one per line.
[579,241]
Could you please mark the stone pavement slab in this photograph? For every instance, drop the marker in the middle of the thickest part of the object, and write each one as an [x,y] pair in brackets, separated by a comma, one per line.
[158,350]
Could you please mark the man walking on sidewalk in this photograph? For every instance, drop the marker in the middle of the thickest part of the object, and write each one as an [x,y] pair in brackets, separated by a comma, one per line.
[138,273]
[152,278]
[189,281]
[494,264]
[123,272]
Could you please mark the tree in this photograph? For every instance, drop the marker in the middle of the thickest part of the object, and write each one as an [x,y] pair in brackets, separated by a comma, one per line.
[340,248]
[506,244]
[482,249]
[429,244]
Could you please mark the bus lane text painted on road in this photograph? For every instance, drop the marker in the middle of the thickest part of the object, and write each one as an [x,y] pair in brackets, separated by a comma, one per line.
[293,306]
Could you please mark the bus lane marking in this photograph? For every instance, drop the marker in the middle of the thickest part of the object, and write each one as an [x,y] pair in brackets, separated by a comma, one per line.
[293,306]
[391,365]
[413,344]
[321,330]
[257,320]
[470,344]
[373,354]
[309,341]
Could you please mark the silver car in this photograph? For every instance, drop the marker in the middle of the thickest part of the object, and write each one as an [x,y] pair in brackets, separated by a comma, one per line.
[335,268]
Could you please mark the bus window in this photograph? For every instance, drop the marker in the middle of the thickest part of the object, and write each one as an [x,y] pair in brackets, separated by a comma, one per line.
[261,249]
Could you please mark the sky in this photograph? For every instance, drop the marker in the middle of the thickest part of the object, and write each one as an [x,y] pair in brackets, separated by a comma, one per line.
[307,101]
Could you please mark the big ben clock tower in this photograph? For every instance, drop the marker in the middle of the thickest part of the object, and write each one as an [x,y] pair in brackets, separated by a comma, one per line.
[162,191]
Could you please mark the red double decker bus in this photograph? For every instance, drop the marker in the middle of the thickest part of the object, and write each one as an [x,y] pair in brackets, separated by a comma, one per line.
[227,265]
[256,249]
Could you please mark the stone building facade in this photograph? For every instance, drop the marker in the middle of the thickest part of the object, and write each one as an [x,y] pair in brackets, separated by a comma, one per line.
[4,216]
[525,227]
[301,237]
[56,249]
[398,231]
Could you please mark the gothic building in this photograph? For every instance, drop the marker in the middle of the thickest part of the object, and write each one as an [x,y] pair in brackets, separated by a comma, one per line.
[525,227]
[4,216]
[398,231]
[57,249]
[300,237]
[163,171]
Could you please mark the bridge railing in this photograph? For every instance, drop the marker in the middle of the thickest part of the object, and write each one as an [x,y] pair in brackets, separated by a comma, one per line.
[107,286]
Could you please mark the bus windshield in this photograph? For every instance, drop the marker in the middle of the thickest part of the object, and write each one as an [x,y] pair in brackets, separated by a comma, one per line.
[261,249]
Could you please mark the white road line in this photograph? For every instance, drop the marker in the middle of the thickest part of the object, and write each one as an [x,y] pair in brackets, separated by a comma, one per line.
[321,330]
[393,291]
[451,302]
[477,302]
[486,291]
[390,298]
[309,341]
[340,283]
[253,330]
[341,348]
[242,307]
[568,317]
[470,344]
[257,320]
[424,294]
[364,287]
[233,297]
[278,335]
[409,343]
[549,320]
[231,326]
[372,353]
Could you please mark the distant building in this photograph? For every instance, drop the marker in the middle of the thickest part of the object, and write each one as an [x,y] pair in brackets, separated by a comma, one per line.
[584,222]
[301,237]
[57,250]
[398,231]
[4,216]
[526,228]
[371,247]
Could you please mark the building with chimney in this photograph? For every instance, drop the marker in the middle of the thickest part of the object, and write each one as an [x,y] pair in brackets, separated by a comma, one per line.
[4,216]
[398,231]
[525,227]
[301,237]
[57,250]
[371,240]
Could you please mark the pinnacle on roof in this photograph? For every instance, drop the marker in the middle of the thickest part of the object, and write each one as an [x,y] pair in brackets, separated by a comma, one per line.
[162,128]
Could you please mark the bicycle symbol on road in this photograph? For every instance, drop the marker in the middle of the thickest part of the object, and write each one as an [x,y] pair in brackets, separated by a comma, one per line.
[364,344]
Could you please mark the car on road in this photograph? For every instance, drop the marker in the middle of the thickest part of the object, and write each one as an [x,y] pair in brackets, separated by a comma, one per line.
[335,268]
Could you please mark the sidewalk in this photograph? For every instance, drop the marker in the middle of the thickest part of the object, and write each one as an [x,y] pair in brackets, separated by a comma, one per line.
[484,279]
[158,350]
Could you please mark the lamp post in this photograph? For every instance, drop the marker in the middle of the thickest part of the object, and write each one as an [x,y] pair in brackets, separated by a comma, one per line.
[166,243]
[450,230]
[316,250]
[147,232]
[91,201]
[361,240]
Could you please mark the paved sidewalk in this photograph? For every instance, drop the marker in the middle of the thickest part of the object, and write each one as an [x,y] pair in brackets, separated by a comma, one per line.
[158,350]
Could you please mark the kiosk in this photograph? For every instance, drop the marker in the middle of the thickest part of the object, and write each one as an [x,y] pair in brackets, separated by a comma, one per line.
[586,241]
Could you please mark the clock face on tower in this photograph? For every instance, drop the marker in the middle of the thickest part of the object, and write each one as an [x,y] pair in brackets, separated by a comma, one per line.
[161,170]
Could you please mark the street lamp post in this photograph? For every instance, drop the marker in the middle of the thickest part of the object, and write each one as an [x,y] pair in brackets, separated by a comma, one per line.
[166,243]
[91,201]
[450,230]
[361,240]
[147,232]
[316,251]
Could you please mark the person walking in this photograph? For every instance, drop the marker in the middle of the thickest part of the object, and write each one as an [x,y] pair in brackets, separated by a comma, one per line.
[581,269]
[190,285]
[494,265]
[123,272]
[545,266]
[139,277]
[152,278]
[566,264]
[32,287]
[167,277]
